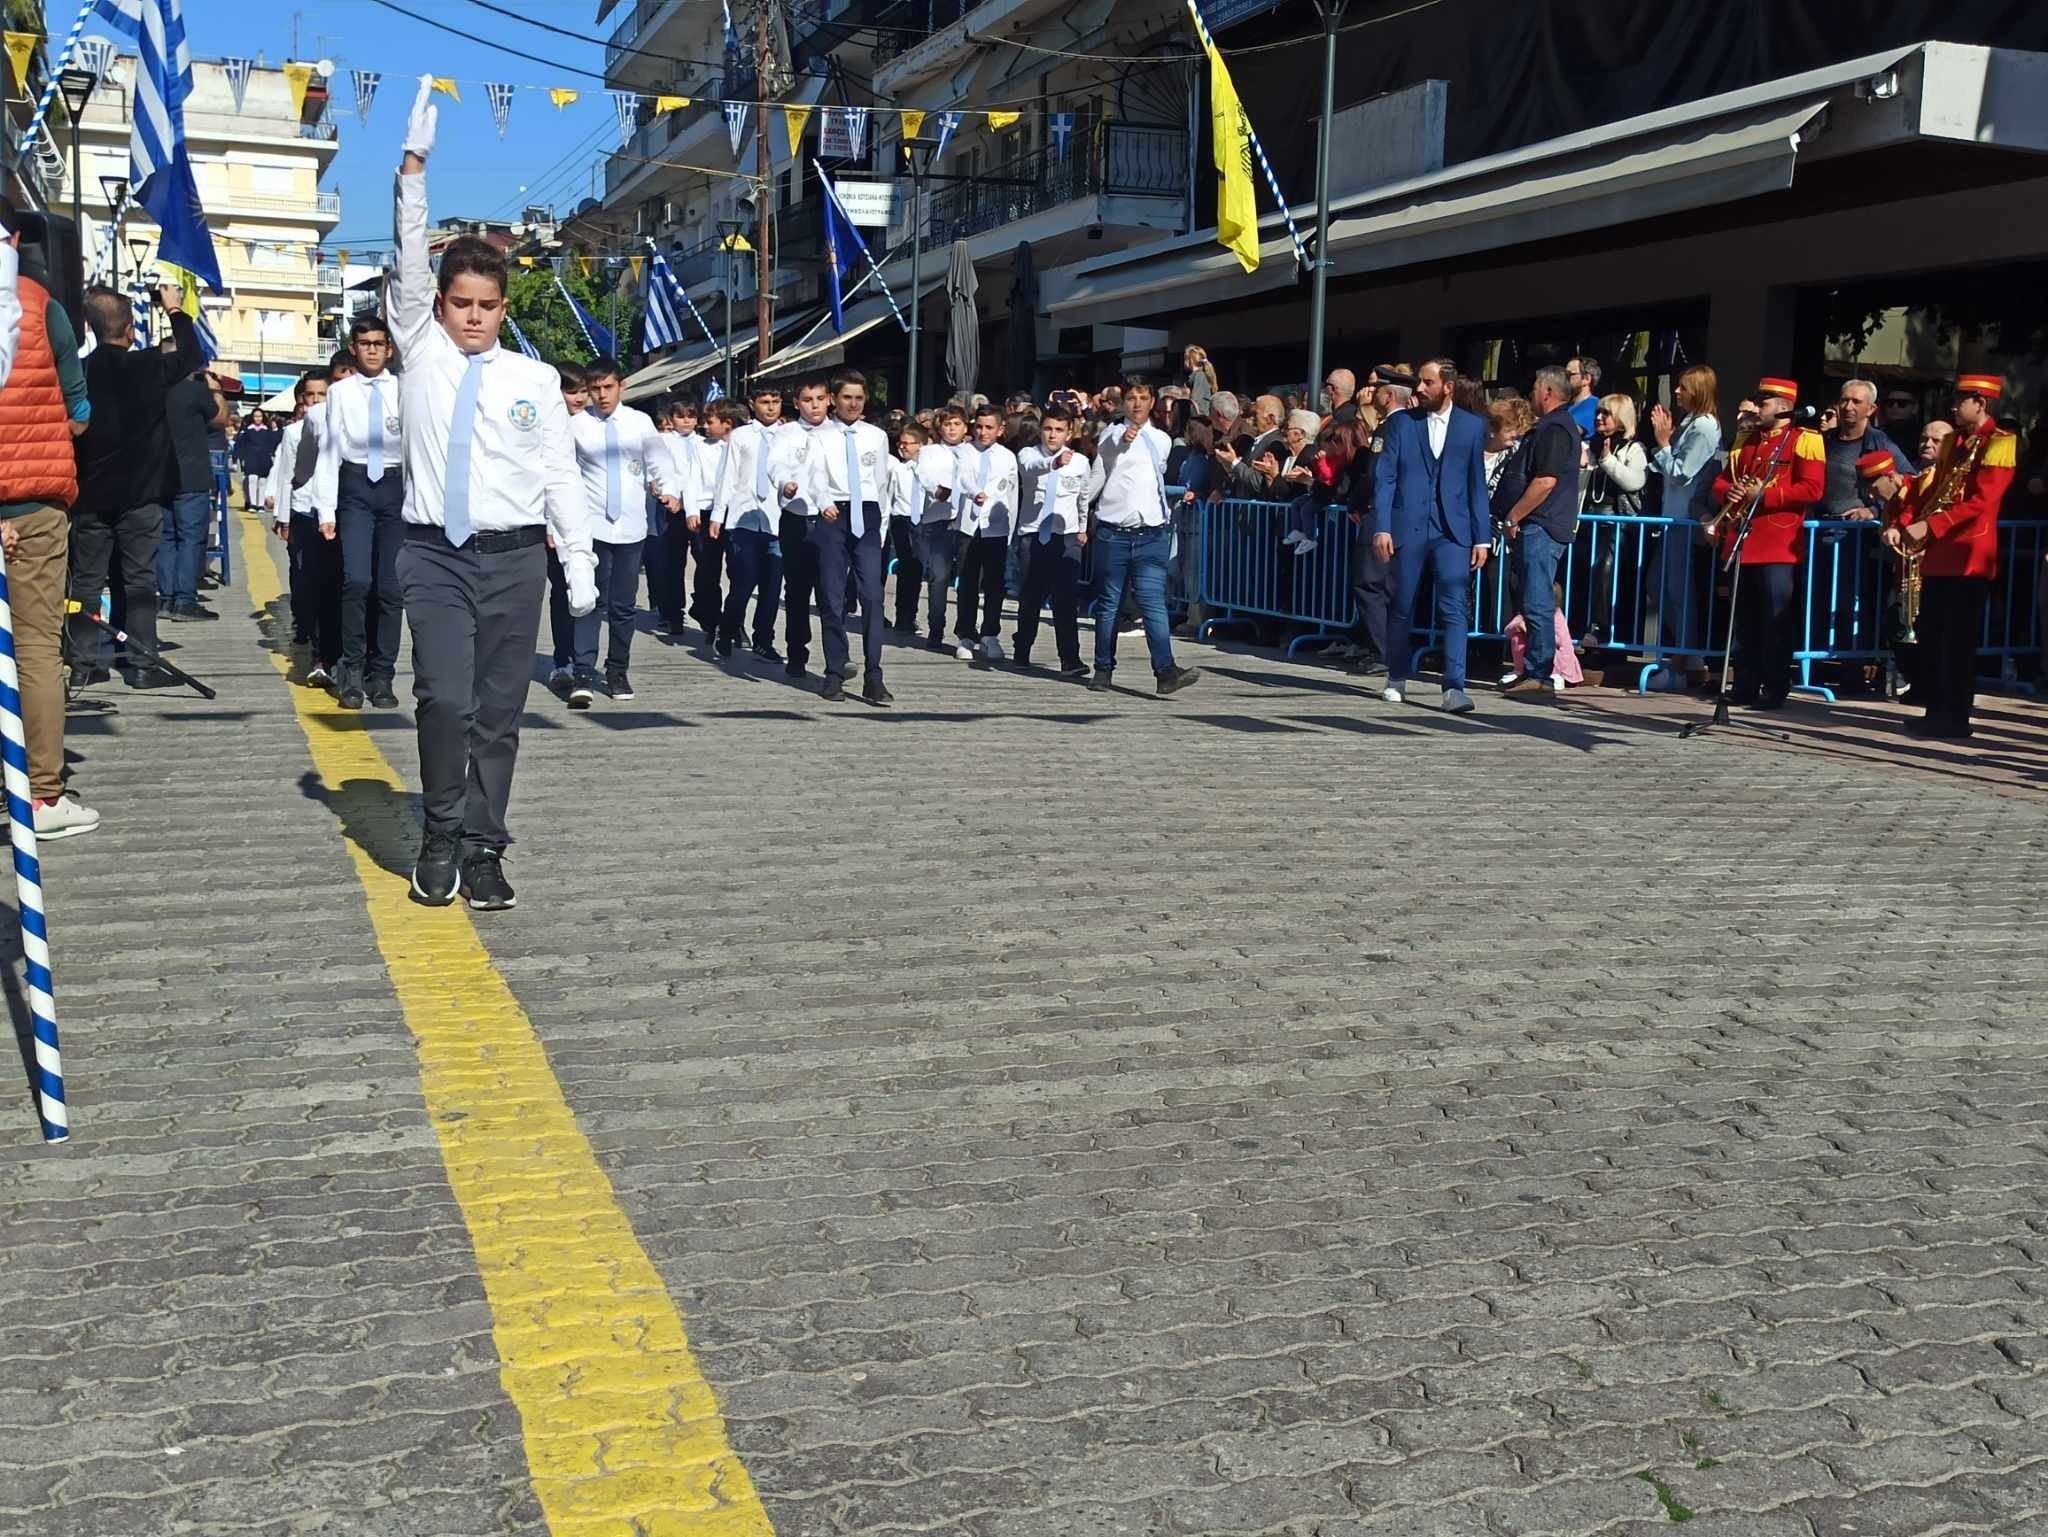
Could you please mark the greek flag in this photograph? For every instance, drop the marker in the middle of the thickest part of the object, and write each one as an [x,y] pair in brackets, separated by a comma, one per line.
[157,166]
[664,327]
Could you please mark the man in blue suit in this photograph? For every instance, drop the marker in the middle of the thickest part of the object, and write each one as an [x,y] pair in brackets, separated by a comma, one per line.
[1429,499]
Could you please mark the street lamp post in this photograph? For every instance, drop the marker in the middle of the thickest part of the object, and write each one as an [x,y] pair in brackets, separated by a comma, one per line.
[116,190]
[918,150]
[138,247]
[76,87]
[729,237]
[1332,12]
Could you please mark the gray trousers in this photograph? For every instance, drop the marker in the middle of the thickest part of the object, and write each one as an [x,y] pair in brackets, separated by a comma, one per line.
[474,620]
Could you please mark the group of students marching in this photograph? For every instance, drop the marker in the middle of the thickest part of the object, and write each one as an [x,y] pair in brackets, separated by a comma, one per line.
[728,503]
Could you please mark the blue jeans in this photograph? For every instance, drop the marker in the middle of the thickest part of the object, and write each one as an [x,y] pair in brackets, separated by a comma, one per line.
[1539,555]
[183,549]
[1135,557]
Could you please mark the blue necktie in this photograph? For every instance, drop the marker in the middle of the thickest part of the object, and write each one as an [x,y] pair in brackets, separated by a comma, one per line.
[1047,501]
[613,504]
[761,468]
[718,479]
[376,469]
[461,433]
[860,525]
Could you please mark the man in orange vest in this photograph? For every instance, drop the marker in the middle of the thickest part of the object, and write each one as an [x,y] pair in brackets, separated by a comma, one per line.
[42,408]
[1954,530]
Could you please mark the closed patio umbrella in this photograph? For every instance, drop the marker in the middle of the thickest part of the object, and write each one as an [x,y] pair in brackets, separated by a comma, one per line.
[963,321]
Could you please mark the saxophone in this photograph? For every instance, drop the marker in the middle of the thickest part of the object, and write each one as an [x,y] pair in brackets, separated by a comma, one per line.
[1949,486]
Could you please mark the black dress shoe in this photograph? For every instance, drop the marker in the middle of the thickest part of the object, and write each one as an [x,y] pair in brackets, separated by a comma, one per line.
[382,697]
[725,648]
[150,677]
[794,669]
[834,690]
[484,886]
[1073,669]
[433,873]
[876,692]
[1180,678]
[186,613]
[352,698]
[1100,683]
[1022,659]
[942,646]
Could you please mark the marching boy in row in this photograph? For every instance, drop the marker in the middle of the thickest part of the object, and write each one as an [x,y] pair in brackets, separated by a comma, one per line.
[746,515]
[1052,523]
[987,501]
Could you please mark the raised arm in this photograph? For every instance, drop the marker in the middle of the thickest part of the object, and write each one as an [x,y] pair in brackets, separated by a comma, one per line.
[10,303]
[409,294]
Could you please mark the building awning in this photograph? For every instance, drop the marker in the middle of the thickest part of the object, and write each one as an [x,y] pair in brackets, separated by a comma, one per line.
[1700,154]
[821,346]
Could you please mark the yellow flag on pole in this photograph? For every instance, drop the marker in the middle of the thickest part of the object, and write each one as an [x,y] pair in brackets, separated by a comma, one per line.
[1001,120]
[1237,209]
[298,77]
[446,87]
[795,118]
[21,47]
[561,96]
[913,124]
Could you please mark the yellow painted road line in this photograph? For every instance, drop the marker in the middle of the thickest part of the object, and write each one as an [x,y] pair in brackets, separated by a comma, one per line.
[623,1435]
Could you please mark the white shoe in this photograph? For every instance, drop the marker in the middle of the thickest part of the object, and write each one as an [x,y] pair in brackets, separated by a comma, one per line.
[1307,546]
[1393,695]
[1508,677]
[992,647]
[964,652]
[64,818]
[1291,538]
[1557,685]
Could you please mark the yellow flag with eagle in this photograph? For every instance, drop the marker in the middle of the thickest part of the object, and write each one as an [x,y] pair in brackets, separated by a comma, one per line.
[1237,209]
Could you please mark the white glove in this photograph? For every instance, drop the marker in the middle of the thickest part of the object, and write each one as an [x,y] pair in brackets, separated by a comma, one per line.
[581,571]
[419,130]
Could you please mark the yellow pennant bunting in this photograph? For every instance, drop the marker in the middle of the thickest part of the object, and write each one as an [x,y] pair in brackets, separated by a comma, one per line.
[526,261]
[913,124]
[446,87]
[298,77]
[341,257]
[1001,120]
[562,96]
[665,103]
[635,263]
[583,262]
[21,47]
[795,118]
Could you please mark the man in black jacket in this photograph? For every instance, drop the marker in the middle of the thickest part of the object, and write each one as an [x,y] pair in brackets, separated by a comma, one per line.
[126,474]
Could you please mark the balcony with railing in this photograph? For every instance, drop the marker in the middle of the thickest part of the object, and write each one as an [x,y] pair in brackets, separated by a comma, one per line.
[903,24]
[1120,160]
[708,262]
[652,138]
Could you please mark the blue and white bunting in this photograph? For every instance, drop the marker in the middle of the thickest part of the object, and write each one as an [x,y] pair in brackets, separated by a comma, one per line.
[366,82]
[501,104]
[519,338]
[948,122]
[736,123]
[627,105]
[1059,127]
[237,71]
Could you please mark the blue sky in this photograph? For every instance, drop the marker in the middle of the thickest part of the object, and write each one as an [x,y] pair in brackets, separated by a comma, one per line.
[474,174]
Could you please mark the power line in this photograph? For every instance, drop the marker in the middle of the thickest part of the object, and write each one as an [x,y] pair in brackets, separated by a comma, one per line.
[643,53]
[484,42]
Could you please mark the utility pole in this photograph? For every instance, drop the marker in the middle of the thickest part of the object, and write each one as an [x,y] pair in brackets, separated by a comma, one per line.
[1332,12]
[764,196]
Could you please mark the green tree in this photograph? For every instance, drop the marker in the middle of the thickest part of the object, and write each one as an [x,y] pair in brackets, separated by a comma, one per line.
[535,303]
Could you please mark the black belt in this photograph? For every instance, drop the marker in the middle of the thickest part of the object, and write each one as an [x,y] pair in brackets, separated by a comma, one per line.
[391,471]
[481,543]
[1135,530]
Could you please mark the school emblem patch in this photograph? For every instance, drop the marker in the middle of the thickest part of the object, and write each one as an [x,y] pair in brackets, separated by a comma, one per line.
[524,415]
[391,424]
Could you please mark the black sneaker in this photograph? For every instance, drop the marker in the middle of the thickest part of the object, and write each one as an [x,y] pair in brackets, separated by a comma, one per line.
[766,651]
[382,696]
[1073,669]
[834,690]
[726,649]
[794,669]
[939,644]
[484,886]
[352,698]
[1173,682]
[433,873]
[187,613]
[150,677]
[618,685]
[1022,659]
[1100,683]
[580,693]
[876,692]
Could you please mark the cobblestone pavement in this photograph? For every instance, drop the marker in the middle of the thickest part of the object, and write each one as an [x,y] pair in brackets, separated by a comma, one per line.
[1268,1111]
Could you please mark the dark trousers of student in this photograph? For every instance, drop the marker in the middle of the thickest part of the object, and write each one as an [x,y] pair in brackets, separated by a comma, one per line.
[980,609]
[97,539]
[799,585]
[839,556]
[1052,568]
[1764,621]
[707,592]
[369,525]
[316,583]
[1372,585]
[618,589]
[561,623]
[474,614]
[666,555]
[1950,629]
[754,566]
[909,570]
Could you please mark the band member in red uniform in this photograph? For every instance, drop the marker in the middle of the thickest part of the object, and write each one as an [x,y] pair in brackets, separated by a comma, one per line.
[1793,475]
[1954,529]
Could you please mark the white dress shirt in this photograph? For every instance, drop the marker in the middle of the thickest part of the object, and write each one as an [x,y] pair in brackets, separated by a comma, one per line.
[789,463]
[1132,486]
[938,469]
[828,486]
[522,466]
[643,460]
[1057,496]
[287,501]
[741,502]
[988,491]
[698,464]
[342,426]
[1439,424]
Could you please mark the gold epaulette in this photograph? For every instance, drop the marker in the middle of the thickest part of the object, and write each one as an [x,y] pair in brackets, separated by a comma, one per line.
[1810,445]
[2002,452]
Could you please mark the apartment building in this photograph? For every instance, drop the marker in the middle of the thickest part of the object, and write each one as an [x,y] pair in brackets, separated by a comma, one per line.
[258,165]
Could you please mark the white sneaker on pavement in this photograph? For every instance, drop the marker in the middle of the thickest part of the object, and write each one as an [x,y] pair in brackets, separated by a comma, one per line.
[1393,695]
[63,818]
[964,652]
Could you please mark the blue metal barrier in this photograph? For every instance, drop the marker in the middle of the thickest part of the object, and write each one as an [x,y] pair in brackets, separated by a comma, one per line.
[217,548]
[1246,572]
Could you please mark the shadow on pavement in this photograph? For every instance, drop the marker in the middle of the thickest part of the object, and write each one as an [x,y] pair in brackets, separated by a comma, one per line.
[374,817]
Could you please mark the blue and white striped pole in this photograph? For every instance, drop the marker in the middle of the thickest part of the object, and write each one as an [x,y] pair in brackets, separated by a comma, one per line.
[28,883]
[1258,149]
[57,66]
